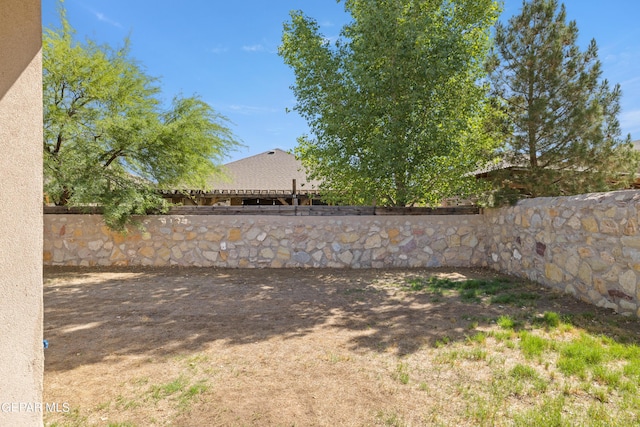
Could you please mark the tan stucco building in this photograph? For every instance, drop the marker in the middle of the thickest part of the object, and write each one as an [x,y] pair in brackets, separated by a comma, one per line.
[21,349]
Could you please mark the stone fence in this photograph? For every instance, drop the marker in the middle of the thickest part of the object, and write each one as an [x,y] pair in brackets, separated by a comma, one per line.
[248,241]
[586,245]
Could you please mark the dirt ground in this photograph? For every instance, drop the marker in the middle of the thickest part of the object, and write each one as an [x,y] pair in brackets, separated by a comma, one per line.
[208,347]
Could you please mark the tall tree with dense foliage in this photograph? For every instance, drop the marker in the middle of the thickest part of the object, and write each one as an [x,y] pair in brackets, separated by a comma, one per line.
[107,140]
[395,107]
[564,133]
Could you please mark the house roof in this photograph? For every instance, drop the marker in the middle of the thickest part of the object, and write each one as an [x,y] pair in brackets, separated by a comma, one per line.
[272,170]
[521,161]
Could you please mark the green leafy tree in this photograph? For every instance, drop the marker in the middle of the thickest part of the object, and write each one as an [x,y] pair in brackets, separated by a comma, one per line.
[564,133]
[107,140]
[396,109]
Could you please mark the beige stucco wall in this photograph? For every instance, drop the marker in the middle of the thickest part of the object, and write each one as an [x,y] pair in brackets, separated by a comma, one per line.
[21,352]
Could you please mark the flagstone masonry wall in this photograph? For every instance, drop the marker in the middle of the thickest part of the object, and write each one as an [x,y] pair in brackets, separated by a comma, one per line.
[248,241]
[587,245]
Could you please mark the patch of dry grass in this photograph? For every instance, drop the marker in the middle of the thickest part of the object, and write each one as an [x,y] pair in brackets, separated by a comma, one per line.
[339,348]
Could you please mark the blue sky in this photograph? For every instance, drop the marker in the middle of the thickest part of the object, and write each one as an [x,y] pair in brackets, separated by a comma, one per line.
[226,52]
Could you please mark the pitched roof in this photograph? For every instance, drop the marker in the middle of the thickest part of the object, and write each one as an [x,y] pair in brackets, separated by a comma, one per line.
[271,170]
[519,161]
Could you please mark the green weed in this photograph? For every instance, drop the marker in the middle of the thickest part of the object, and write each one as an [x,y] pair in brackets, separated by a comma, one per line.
[533,345]
[332,357]
[506,322]
[526,374]
[469,295]
[503,335]
[549,413]
[469,290]
[632,368]
[520,299]
[417,284]
[164,390]
[447,357]
[523,372]
[578,355]
[474,354]
[123,403]
[478,338]
[441,342]
[481,411]
[607,377]
[390,419]
[73,418]
[402,373]
[551,319]
[190,393]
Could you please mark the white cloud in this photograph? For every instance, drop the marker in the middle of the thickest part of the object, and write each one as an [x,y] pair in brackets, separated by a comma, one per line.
[630,82]
[263,46]
[254,48]
[104,18]
[219,49]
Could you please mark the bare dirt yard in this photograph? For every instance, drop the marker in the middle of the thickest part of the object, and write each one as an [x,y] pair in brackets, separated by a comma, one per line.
[210,347]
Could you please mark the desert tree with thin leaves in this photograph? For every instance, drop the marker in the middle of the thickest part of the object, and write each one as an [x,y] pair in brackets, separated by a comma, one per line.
[108,139]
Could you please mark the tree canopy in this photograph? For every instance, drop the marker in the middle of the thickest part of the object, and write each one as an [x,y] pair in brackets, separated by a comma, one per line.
[396,106]
[107,138]
[564,136]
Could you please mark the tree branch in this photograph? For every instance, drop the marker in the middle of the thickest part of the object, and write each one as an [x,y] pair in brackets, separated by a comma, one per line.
[114,156]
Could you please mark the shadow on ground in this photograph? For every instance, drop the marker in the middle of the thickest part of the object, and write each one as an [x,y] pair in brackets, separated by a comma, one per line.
[94,315]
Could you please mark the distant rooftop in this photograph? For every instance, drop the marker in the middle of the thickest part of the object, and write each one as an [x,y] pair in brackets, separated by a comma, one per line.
[272,170]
